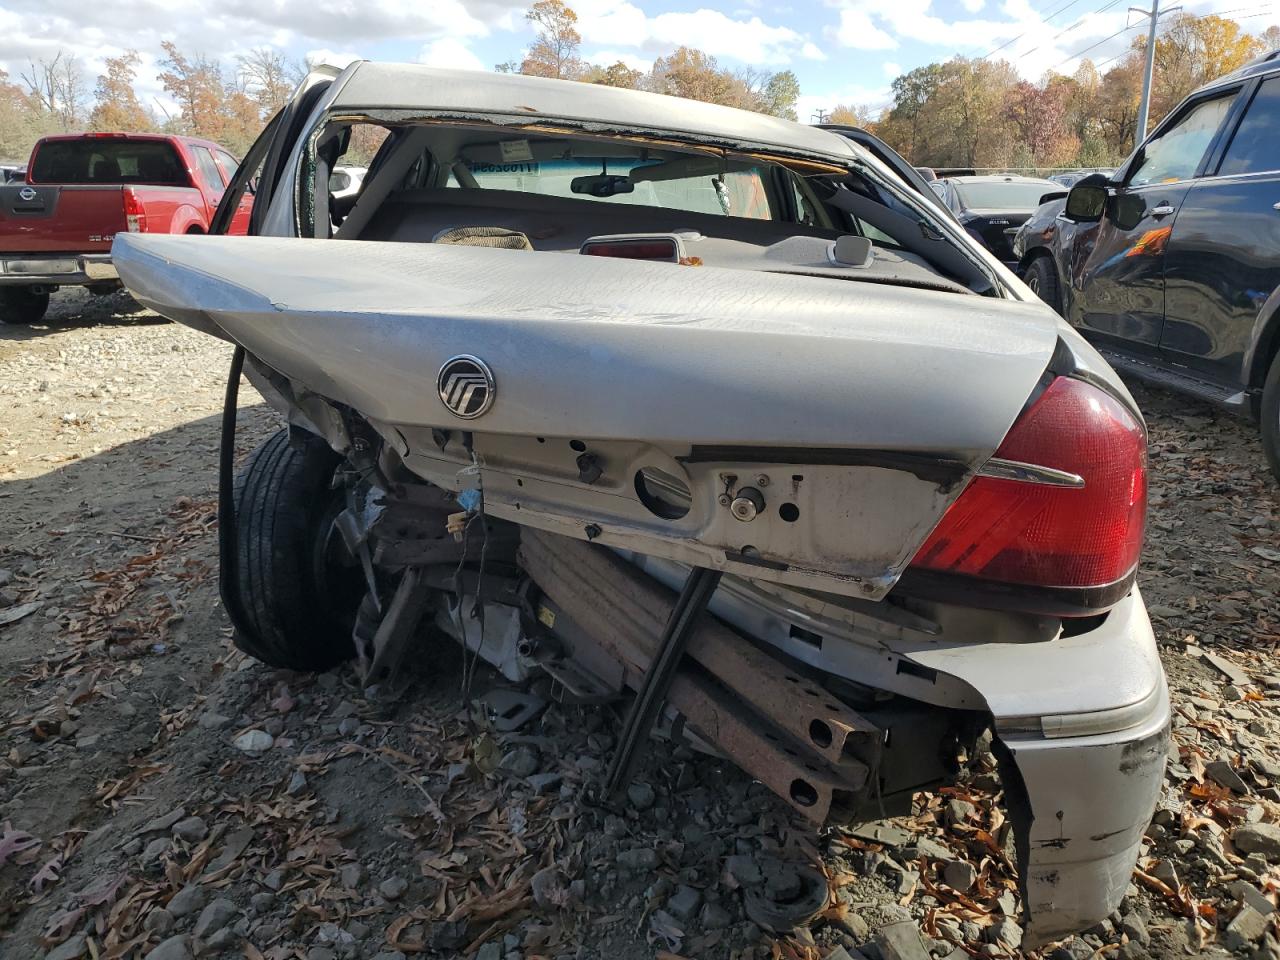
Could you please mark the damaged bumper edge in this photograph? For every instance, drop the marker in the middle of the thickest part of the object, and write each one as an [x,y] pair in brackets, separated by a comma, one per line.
[1087,802]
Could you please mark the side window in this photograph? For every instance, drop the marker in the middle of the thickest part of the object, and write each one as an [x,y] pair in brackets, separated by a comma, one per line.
[208,169]
[1256,145]
[1176,153]
[229,164]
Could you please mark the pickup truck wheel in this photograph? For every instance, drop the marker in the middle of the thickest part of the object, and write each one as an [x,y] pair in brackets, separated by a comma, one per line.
[1271,416]
[20,305]
[1041,277]
[297,585]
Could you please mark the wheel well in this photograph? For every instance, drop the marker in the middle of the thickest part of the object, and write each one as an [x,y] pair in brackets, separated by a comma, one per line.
[1265,354]
[195,228]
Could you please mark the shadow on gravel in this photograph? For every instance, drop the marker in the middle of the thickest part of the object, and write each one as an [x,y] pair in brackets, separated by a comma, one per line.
[76,308]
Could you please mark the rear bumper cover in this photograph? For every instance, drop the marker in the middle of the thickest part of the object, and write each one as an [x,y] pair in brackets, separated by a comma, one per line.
[1089,800]
[74,269]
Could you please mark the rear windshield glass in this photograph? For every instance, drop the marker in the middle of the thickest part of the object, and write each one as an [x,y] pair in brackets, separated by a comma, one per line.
[1011,195]
[696,184]
[108,161]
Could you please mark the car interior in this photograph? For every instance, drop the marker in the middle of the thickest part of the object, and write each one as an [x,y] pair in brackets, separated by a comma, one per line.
[567,191]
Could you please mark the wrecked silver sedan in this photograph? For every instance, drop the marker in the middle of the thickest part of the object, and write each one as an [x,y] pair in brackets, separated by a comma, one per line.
[576,365]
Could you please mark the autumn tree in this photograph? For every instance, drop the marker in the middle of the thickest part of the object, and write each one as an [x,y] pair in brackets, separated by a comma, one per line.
[1193,50]
[21,120]
[696,75]
[555,51]
[615,75]
[1038,115]
[116,105]
[777,94]
[196,84]
[851,115]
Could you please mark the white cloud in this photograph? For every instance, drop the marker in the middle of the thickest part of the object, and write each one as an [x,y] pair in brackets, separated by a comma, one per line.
[973,6]
[749,39]
[856,30]
[891,69]
[607,58]
[451,53]
[811,51]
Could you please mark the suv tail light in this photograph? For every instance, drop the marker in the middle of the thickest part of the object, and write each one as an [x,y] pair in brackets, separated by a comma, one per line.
[135,214]
[1061,506]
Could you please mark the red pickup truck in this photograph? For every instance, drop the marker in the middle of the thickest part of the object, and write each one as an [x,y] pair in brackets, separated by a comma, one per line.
[83,189]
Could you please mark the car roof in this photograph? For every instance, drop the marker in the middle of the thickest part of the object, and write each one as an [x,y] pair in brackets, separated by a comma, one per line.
[371,86]
[1263,64]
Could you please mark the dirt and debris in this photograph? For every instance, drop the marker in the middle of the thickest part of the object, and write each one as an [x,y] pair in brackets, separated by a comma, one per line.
[162,796]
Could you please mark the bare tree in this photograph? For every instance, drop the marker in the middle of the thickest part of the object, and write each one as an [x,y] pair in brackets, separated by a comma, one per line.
[267,76]
[59,88]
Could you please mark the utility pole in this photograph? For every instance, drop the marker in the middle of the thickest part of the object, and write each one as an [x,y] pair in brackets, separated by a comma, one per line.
[1144,106]
[820,115]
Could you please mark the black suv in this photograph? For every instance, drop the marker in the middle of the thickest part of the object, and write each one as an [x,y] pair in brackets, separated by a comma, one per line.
[1171,265]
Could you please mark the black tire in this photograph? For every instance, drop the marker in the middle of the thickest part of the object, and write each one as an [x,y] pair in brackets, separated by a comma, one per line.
[22,305]
[297,588]
[1270,416]
[1042,278]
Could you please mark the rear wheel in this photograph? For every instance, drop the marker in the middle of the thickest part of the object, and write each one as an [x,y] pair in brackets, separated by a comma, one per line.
[23,305]
[1041,277]
[298,587]
[1271,416]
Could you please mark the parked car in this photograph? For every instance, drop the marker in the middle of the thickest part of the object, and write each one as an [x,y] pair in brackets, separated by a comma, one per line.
[992,208]
[11,173]
[560,381]
[1071,178]
[81,190]
[1171,266]
[345,181]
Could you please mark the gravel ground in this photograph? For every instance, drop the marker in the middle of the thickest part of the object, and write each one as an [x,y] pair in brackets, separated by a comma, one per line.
[163,796]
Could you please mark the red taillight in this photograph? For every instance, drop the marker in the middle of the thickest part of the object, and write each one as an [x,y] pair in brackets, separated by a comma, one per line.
[1060,533]
[135,214]
[659,248]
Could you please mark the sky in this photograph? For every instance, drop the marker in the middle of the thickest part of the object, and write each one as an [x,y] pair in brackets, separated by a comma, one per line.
[842,51]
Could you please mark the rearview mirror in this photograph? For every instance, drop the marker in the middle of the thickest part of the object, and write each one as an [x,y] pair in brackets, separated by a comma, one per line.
[1051,196]
[601,185]
[1087,200]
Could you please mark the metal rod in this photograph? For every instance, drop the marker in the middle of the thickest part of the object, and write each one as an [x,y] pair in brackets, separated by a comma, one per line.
[693,600]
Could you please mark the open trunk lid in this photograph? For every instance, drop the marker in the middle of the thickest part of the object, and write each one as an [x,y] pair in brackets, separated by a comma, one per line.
[803,430]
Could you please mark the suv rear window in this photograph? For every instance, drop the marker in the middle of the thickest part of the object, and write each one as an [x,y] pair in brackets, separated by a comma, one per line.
[109,161]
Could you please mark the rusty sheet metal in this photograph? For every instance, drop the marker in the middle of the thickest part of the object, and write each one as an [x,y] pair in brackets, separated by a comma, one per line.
[792,702]
[750,711]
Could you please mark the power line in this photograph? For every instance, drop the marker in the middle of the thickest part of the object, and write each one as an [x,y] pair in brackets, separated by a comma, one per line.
[1061,33]
[1044,19]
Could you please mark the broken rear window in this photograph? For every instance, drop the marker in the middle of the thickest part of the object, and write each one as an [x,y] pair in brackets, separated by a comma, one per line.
[693,183]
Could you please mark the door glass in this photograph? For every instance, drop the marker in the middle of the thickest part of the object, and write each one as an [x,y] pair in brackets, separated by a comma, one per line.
[1176,153]
[1256,145]
[229,164]
[208,169]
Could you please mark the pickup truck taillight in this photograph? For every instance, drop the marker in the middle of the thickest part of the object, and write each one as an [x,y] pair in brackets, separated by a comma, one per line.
[1061,506]
[135,214]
